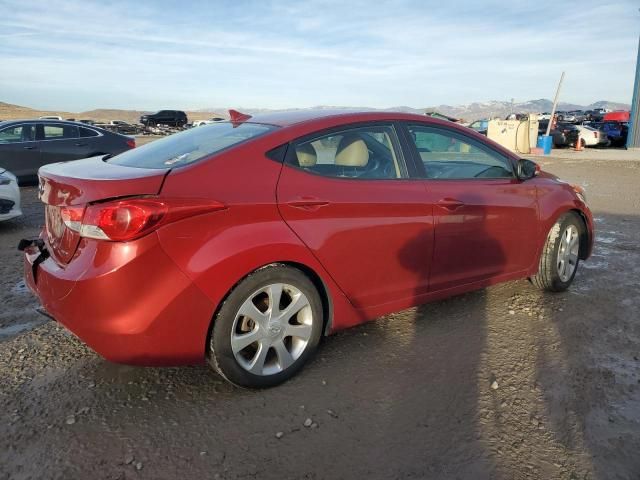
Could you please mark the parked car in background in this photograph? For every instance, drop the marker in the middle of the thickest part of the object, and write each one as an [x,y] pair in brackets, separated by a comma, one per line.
[50,117]
[564,134]
[617,116]
[243,243]
[199,123]
[565,117]
[593,116]
[544,116]
[119,126]
[26,145]
[171,118]
[592,137]
[616,132]
[480,126]
[88,122]
[9,196]
[578,116]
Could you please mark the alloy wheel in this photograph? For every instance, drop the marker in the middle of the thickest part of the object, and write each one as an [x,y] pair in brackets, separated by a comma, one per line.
[568,253]
[271,329]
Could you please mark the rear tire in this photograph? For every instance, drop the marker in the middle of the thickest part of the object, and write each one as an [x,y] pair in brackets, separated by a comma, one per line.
[267,329]
[561,255]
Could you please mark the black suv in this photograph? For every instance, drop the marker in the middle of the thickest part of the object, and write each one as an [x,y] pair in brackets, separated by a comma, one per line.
[172,118]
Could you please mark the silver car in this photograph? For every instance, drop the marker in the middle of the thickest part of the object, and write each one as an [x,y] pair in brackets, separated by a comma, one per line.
[9,196]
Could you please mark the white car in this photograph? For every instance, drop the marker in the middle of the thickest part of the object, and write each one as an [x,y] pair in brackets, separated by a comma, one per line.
[50,117]
[9,196]
[592,137]
[199,123]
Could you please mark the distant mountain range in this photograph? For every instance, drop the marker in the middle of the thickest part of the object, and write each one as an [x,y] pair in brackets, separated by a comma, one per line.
[469,112]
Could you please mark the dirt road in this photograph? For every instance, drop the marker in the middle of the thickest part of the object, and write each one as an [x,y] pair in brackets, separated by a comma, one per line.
[505,383]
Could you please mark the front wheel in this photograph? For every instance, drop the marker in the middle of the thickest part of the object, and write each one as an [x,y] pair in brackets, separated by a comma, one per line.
[268,327]
[560,255]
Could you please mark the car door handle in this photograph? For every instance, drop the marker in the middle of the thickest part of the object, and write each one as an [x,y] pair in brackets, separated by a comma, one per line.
[308,203]
[81,144]
[28,147]
[450,203]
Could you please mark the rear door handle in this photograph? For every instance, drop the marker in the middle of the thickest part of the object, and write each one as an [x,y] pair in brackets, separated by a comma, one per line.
[28,148]
[308,203]
[450,203]
[81,144]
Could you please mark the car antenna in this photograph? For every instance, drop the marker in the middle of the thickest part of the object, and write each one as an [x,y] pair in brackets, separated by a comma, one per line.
[237,117]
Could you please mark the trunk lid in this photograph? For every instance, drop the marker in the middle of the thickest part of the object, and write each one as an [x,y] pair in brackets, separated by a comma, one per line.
[66,188]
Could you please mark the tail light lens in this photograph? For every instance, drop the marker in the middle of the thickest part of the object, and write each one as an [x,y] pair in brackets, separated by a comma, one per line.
[129,219]
[131,143]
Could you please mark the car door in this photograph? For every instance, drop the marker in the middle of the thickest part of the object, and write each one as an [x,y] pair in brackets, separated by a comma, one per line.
[347,195]
[19,149]
[485,218]
[60,142]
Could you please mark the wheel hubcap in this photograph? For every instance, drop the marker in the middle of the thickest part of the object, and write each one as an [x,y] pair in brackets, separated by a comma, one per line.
[568,253]
[272,329]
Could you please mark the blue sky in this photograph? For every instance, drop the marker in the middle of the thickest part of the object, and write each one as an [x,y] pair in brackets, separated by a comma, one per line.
[82,54]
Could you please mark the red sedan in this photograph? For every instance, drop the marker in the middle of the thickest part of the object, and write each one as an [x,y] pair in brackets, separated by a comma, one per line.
[242,243]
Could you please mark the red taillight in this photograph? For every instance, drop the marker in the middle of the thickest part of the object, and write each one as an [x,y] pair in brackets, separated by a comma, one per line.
[129,219]
[124,220]
[72,217]
[131,142]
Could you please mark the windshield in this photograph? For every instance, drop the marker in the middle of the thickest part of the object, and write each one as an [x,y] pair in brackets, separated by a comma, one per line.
[188,147]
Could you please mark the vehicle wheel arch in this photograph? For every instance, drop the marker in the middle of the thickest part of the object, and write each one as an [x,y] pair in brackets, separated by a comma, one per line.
[310,273]
[584,230]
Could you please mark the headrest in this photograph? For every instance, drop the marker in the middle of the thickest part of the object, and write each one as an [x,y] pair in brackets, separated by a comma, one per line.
[352,152]
[307,156]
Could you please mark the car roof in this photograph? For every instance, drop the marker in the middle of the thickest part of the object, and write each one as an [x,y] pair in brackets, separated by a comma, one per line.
[294,117]
[41,120]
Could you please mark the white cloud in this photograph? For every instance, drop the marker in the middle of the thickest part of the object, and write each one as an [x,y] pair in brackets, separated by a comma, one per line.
[84,54]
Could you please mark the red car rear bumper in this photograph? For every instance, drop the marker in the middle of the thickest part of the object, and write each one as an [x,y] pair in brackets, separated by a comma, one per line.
[128,301]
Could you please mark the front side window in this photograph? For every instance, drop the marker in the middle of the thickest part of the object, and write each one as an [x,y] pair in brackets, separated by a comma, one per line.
[18,133]
[448,155]
[11,134]
[190,146]
[366,152]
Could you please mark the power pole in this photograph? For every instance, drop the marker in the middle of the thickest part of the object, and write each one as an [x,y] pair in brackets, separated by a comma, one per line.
[555,104]
[633,137]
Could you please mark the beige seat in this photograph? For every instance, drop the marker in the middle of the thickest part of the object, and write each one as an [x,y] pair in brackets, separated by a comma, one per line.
[352,152]
[307,156]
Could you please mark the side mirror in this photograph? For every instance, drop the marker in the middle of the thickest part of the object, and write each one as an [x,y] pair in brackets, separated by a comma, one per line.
[527,169]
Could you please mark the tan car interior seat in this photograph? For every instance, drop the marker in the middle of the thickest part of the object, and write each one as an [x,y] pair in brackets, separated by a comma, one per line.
[307,156]
[352,152]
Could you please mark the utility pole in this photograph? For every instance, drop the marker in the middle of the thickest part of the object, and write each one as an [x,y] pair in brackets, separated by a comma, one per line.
[633,137]
[555,104]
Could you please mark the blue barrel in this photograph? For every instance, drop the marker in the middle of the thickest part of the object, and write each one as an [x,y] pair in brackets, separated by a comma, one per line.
[545,142]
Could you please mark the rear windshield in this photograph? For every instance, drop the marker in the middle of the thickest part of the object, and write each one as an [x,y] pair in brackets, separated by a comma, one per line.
[187,147]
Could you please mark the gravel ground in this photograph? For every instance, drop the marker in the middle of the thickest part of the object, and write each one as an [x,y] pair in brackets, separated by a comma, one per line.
[505,383]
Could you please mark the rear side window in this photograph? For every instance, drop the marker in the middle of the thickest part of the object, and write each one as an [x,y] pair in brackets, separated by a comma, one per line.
[87,132]
[60,132]
[190,146]
[366,152]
